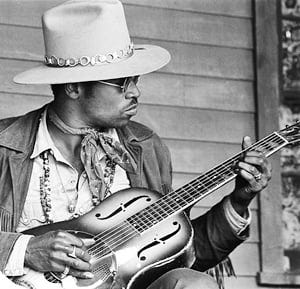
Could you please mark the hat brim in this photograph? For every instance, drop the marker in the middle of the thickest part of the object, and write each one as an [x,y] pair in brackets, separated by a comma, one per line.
[146,59]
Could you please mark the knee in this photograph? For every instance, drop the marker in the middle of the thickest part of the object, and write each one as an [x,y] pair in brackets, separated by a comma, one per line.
[191,279]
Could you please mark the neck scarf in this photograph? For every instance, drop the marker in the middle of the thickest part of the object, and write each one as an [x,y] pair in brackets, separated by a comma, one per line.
[96,146]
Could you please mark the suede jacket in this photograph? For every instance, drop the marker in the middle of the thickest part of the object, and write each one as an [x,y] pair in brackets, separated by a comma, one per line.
[214,239]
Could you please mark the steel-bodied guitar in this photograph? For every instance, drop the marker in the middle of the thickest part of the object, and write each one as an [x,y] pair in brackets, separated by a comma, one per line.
[138,234]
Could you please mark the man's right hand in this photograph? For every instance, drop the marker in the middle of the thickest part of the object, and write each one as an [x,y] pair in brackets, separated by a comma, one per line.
[50,252]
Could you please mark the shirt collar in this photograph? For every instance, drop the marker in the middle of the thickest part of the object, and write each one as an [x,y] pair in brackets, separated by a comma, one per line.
[44,141]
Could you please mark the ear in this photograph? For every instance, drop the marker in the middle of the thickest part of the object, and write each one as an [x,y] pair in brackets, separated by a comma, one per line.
[72,90]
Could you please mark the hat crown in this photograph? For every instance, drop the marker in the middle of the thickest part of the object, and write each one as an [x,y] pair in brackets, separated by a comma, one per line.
[88,40]
[69,27]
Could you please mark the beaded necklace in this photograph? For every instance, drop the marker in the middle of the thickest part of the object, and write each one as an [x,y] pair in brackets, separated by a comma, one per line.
[45,188]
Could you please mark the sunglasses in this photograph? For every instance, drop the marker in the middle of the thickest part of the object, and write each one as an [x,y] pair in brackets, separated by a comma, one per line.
[126,82]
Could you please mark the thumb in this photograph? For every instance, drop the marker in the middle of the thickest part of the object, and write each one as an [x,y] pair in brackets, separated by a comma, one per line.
[246,142]
[87,242]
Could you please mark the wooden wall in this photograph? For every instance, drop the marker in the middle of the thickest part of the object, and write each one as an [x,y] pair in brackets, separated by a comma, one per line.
[201,104]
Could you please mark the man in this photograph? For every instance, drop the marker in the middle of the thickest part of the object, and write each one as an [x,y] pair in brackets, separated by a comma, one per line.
[63,160]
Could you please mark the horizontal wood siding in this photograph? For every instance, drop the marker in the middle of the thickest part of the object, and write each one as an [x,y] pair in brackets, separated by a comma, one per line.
[201,104]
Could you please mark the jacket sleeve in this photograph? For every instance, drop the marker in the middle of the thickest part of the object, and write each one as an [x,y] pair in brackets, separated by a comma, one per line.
[165,165]
[7,239]
[214,238]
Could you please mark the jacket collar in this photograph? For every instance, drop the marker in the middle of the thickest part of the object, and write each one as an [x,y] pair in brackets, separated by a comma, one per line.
[135,131]
[19,133]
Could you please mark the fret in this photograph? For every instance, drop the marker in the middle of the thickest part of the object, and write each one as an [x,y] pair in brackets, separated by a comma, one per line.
[147,218]
[172,202]
[136,223]
[157,207]
[165,205]
[156,210]
[185,192]
[179,199]
[194,188]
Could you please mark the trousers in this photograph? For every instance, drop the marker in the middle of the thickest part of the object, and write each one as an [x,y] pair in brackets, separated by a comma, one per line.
[184,278]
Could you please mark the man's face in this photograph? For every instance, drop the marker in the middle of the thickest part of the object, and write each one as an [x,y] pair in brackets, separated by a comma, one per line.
[106,106]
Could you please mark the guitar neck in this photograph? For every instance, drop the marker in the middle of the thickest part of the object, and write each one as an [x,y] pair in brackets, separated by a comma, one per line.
[182,198]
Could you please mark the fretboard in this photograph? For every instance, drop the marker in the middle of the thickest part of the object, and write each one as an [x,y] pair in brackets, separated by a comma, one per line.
[192,192]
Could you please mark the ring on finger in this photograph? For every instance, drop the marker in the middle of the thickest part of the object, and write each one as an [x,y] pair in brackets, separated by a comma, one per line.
[65,272]
[257,177]
[73,254]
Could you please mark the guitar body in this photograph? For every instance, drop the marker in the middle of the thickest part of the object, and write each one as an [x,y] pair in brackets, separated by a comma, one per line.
[134,263]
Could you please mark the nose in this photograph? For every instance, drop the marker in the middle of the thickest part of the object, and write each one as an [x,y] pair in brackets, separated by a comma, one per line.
[132,91]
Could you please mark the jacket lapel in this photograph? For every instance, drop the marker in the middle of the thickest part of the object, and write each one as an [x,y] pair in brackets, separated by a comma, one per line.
[20,168]
[131,136]
[19,137]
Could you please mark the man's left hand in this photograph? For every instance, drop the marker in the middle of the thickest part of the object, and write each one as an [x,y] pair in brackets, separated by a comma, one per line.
[254,173]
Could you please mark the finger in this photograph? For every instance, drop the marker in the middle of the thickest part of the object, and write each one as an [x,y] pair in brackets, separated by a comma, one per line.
[81,274]
[254,160]
[73,240]
[254,153]
[251,169]
[250,174]
[261,163]
[78,253]
[77,264]
[87,242]
[254,186]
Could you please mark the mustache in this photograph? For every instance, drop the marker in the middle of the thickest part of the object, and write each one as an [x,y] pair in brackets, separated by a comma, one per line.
[133,102]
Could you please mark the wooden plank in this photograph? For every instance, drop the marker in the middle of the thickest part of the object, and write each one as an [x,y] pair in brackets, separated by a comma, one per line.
[182,26]
[198,157]
[209,61]
[245,259]
[238,8]
[18,104]
[9,68]
[21,42]
[28,12]
[196,124]
[197,92]
[163,88]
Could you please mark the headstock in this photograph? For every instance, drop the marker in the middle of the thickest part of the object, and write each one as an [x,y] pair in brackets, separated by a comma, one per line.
[291,133]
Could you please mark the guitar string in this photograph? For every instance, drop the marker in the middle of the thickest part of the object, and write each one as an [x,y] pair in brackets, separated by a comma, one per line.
[151,222]
[124,237]
[133,233]
[256,145]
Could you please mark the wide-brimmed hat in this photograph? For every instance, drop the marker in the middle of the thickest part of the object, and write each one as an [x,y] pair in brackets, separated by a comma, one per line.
[88,40]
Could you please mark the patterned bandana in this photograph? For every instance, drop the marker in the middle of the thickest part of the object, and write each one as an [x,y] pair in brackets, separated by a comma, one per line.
[96,147]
